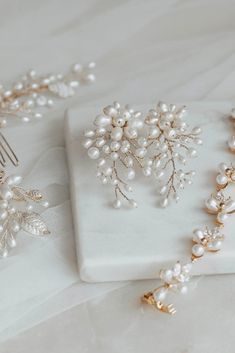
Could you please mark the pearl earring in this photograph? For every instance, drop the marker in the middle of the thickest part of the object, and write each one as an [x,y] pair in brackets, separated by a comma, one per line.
[169,143]
[115,143]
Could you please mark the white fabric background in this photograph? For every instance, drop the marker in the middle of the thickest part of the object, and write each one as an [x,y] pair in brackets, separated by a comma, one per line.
[145,51]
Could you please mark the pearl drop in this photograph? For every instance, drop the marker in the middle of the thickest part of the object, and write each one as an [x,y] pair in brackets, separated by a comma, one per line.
[198,250]
[211,205]
[116,133]
[102,120]
[130,174]
[231,143]
[87,143]
[164,202]
[133,204]
[93,153]
[117,204]
[163,190]
[160,294]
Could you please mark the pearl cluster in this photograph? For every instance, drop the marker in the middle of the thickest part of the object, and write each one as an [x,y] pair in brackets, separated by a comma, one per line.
[33,92]
[155,144]
[113,143]
[17,211]
[170,143]
[204,239]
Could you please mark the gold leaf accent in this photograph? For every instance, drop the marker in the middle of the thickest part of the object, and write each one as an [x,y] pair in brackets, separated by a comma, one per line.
[33,224]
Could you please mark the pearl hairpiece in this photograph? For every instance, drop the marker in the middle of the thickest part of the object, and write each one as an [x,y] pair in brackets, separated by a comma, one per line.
[122,141]
[20,208]
[204,239]
[33,92]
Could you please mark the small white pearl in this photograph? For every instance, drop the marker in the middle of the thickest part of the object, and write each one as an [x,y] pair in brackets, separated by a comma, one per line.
[3,122]
[222,167]
[38,115]
[184,290]
[100,142]
[129,161]
[6,192]
[89,133]
[29,207]
[12,242]
[215,245]
[25,119]
[198,250]
[133,204]
[107,170]
[116,133]
[104,180]
[128,188]
[91,65]
[117,204]
[3,215]
[153,132]
[102,120]
[221,179]
[106,149]
[93,153]
[90,78]
[4,253]
[160,294]
[115,146]
[3,204]
[142,142]
[221,217]
[130,174]
[130,132]
[167,276]
[141,152]
[162,107]
[77,68]
[110,111]
[198,235]
[14,180]
[101,162]
[45,203]
[163,190]
[164,202]
[160,174]
[211,204]
[114,156]
[147,171]
[87,143]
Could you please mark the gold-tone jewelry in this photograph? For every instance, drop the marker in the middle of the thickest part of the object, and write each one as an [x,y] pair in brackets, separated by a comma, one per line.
[204,240]
[32,92]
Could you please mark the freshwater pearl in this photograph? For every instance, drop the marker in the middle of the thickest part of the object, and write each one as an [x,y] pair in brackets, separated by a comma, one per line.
[142,142]
[117,204]
[141,152]
[211,204]
[153,132]
[130,132]
[215,245]
[222,167]
[162,107]
[102,120]
[221,217]
[93,153]
[115,146]
[3,215]
[14,180]
[231,143]
[116,133]
[133,204]
[198,250]
[101,131]
[87,143]
[114,156]
[221,179]
[100,142]
[89,133]
[111,111]
[198,235]
[130,174]
[119,121]
[160,294]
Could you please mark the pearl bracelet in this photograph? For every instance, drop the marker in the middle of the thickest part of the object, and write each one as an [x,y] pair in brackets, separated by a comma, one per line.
[204,239]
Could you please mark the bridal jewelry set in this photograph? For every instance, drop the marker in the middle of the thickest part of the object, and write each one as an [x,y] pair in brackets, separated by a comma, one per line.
[123,142]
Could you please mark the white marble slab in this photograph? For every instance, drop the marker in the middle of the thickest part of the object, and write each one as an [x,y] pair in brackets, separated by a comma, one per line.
[127,244]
